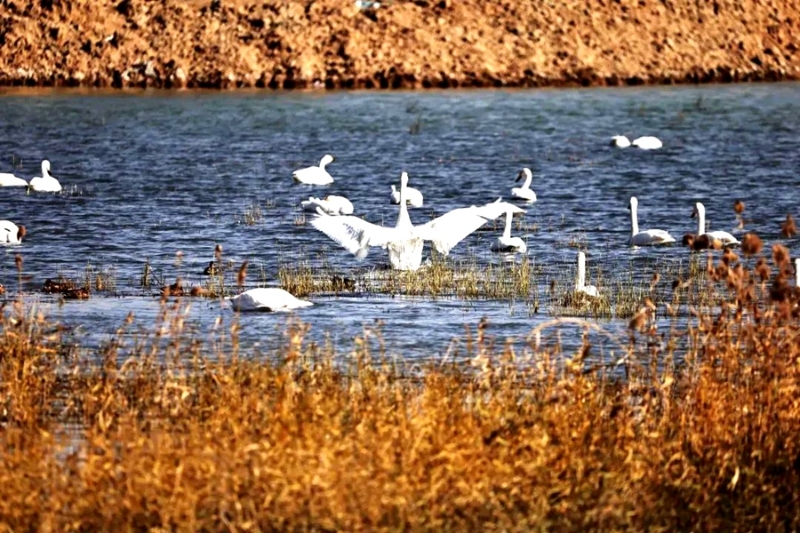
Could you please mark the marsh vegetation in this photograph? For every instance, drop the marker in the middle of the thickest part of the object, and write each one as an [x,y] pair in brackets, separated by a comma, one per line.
[160,431]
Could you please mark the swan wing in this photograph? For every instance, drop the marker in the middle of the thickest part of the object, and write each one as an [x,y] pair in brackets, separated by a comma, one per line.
[354,234]
[497,209]
[451,228]
[723,236]
[312,176]
[650,237]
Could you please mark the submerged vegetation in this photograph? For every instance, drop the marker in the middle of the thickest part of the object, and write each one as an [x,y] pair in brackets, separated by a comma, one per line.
[164,432]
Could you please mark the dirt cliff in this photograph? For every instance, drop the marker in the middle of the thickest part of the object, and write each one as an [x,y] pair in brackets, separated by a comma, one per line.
[400,43]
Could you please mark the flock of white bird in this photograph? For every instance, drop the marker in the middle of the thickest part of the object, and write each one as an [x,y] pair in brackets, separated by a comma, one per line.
[11,233]
[333,216]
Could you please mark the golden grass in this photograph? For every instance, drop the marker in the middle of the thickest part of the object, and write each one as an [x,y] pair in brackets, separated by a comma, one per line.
[157,434]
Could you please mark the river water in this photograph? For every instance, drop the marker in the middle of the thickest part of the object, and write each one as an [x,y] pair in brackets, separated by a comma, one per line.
[150,174]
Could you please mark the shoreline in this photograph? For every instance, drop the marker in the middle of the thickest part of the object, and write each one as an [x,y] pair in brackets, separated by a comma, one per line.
[403,44]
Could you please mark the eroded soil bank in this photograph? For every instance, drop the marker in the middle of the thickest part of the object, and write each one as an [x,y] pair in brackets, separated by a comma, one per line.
[401,43]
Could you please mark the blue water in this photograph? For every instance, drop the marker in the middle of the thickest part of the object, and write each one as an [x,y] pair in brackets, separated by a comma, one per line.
[148,175]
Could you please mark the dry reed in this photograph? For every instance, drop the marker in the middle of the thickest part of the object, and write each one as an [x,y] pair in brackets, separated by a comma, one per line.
[155,433]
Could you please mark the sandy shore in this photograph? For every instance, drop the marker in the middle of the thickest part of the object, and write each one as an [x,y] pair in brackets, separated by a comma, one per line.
[410,44]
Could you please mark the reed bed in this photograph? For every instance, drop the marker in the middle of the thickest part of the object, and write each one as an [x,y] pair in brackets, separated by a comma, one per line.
[158,433]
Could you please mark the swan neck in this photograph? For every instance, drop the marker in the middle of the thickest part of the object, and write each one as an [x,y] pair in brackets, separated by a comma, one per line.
[403,220]
[634,220]
[701,220]
[797,272]
[507,230]
[528,180]
[581,272]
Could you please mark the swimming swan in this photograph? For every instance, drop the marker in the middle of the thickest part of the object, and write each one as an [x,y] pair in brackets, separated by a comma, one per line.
[10,233]
[330,205]
[620,141]
[647,143]
[580,284]
[405,241]
[507,243]
[413,196]
[316,175]
[726,238]
[264,299]
[524,192]
[45,183]
[648,237]
[10,180]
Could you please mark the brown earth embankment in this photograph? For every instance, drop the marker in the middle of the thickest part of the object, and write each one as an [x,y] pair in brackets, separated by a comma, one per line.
[401,43]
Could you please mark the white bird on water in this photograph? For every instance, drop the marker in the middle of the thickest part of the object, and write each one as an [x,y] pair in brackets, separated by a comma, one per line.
[11,233]
[330,205]
[726,238]
[405,241]
[647,142]
[10,180]
[316,175]
[648,237]
[413,196]
[46,182]
[266,299]
[524,192]
[620,141]
[507,243]
[580,283]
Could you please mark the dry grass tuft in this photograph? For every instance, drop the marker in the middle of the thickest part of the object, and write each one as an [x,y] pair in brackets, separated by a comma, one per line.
[751,244]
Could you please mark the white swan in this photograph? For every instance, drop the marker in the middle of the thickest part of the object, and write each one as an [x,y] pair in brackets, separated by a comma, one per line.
[316,175]
[10,233]
[405,241]
[726,238]
[524,192]
[797,272]
[330,205]
[507,243]
[648,237]
[647,143]
[620,141]
[264,299]
[45,183]
[10,180]
[413,196]
[580,283]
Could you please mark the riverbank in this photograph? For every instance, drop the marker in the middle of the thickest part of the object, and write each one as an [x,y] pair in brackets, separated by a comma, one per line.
[401,44]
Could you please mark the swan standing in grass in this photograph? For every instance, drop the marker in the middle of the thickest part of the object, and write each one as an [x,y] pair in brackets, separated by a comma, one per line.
[647,142]
[45,183]
[413,196]
[507,243]
[524,192]
[580,284]
[648,237]
[330,205]
[316,175]
[620,141]
[404,241]
[724,237]
[264,299]
[10,180]
[10,233]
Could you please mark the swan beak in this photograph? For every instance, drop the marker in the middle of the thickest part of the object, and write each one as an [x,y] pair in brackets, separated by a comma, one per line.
[694,213]
[520,176]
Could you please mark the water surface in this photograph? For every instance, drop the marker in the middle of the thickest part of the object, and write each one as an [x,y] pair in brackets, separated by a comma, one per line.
[148,175]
